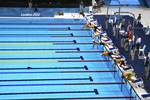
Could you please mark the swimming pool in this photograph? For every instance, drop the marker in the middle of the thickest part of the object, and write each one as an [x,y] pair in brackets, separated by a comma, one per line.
[125,2]
[54,58]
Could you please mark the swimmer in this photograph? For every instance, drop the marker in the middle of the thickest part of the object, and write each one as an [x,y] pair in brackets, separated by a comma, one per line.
[69,28]
[90,24]
[129,75]
[97,33]
[123,64]
[118,61]
[106,53]
[96,41]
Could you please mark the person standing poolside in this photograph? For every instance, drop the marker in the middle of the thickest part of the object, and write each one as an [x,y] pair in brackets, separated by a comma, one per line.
[106,24]
[81,7]
[147,67]
[30,4]
[138,20]
[138,43]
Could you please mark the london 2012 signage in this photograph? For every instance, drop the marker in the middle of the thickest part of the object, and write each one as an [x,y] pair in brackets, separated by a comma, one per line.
[30,14]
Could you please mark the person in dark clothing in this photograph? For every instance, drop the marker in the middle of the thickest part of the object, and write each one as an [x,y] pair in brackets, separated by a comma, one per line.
[138,20]
[139,17]
[147,66]
[106,23]
[81,7]
[138,43]
[122,24]
[36,8]
[95,28]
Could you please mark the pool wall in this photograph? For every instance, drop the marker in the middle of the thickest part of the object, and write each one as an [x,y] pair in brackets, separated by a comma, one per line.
[43,12]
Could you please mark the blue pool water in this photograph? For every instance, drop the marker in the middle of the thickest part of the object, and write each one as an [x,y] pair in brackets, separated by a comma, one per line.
[125,2]
[41,58]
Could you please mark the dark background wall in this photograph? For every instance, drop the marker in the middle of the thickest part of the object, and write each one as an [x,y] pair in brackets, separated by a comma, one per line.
[44,3]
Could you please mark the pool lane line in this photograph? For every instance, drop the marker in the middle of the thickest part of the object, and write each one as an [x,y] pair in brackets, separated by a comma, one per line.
[38,49]
[84,36]
[12,42]
[57,92]
[36,35]
[40,68]
[44,28]
[48,28]
[27,52]
[46,79]
[84,60]
[64,84]
[50,34]
[27,61]
[88,98]
[36,44]
[73,71]
[48,61]
[31,23]
[73,41]
[81,57]
[41,35]
[24,44]
[45,36]
[48,52]
[85,51]
[81,43]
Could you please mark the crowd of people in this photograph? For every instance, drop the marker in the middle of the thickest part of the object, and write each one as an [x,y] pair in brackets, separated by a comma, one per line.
[129,41]
[100,37]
